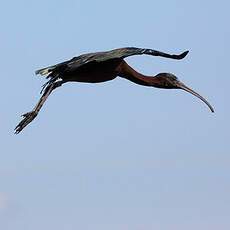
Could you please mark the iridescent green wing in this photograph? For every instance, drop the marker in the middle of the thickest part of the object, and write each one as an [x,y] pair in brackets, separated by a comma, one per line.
[121,53]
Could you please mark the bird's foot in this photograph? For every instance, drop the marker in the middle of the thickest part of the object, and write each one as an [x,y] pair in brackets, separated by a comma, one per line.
[27,118]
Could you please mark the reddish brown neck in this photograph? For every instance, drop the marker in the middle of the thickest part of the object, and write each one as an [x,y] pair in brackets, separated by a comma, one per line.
[126,71]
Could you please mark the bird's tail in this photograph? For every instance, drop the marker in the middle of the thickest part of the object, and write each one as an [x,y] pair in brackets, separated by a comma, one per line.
[58,68]
[46,70]
[53,73]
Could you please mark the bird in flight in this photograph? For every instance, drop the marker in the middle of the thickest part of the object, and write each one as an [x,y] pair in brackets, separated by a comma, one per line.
[104,66]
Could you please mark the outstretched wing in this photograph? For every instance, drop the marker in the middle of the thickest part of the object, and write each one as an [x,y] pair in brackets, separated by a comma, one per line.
[76,62]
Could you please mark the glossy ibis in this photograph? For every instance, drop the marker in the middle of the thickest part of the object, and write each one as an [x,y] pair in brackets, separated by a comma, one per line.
[101,67]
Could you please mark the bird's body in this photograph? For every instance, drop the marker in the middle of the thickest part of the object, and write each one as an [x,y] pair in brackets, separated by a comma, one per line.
[100,67]
[94,72]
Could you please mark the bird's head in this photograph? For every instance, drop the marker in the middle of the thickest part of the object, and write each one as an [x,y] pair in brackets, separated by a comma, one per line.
[170,81]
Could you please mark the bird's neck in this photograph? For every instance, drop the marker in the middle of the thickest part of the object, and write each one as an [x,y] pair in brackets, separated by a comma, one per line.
[129,73]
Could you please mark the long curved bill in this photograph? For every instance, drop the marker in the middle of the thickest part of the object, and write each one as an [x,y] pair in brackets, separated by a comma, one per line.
[187,89]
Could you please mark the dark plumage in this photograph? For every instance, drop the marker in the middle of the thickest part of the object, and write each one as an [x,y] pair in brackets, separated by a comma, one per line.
[121,53]
[104,66]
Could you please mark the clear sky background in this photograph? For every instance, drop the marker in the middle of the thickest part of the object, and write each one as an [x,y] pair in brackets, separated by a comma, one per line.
[115,155]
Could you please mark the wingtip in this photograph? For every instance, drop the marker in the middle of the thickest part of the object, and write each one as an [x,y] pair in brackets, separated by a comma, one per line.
[184,54]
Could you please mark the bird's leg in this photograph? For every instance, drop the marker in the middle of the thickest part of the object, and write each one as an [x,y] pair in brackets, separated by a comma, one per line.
[28,117]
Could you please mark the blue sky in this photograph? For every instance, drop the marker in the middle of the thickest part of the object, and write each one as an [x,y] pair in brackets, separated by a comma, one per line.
[115,155]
